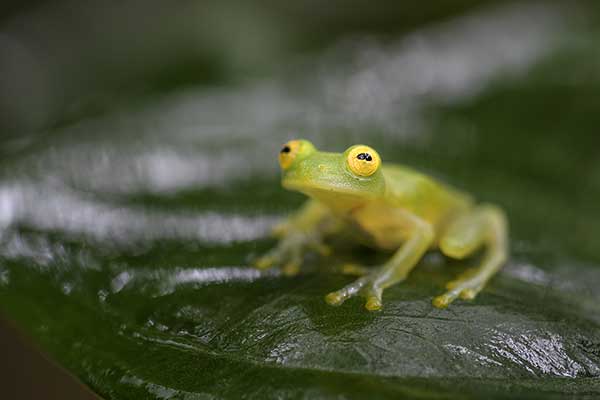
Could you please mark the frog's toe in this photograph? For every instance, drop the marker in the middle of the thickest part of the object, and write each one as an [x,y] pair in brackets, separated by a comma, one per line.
[364,287]
[264,262]
[280,256]
[334,299]
[269,259]
[442,301]
[373,304]
[465,289]
[447,298]
[339,296]
[372,293]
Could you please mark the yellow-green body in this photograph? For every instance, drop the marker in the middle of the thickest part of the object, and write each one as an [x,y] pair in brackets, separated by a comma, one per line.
[390,207]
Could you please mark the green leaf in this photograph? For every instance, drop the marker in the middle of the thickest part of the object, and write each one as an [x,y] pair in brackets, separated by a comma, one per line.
[133,271]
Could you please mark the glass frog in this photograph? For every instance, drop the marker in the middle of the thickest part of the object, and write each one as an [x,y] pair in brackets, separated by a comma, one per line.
[389,207]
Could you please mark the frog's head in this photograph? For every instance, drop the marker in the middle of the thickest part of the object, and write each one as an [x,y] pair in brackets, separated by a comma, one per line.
[340,180]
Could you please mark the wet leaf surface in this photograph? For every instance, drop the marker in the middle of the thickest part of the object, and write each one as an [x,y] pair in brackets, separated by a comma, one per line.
[127,256]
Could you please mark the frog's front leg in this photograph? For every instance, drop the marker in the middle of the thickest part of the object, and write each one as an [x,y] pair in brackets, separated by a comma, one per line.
[302,232]
[395,270]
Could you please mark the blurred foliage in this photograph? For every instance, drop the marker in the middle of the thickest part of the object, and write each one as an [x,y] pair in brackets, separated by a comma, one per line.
[80,59]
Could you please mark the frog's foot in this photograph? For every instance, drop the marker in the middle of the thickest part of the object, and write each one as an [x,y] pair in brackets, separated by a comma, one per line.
[365,286]
[288,254]
[466,287]
[288,258]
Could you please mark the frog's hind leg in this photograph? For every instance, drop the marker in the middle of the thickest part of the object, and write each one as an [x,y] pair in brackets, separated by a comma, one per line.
[484,226]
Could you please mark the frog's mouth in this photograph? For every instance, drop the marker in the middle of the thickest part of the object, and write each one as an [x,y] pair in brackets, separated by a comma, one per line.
[336,197]
[319,188]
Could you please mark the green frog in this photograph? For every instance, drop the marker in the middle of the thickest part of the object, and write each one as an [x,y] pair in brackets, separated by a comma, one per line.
[389,207]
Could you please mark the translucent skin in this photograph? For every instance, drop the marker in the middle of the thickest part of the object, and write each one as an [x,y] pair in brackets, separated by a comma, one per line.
[393,208]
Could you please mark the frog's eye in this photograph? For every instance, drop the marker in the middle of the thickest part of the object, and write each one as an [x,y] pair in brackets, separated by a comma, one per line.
[288,153]
[363,160]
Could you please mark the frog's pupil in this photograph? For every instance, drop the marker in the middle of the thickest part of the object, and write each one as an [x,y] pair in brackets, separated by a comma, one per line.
[286,149]
[364,156]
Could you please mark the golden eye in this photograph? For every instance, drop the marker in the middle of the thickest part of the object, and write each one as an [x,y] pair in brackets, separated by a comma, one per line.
[288,153]
[363,160]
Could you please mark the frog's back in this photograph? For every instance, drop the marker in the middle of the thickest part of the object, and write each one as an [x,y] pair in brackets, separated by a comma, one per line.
[421,194]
